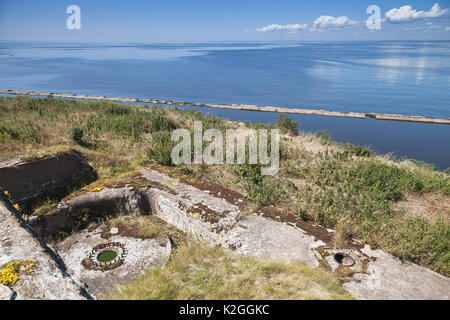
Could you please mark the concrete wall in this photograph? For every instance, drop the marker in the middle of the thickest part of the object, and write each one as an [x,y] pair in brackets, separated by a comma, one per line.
[28,180]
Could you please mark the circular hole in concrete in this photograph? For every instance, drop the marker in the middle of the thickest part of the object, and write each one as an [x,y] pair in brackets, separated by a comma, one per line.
[344,259]
[107,256]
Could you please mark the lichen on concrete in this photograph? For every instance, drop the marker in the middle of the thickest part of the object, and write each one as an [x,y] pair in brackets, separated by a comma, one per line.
[49,280]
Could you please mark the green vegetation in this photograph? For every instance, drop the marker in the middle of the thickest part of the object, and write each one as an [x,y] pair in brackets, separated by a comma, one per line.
[20,132]
[197,271]
[324,137]
[287,125]
[260,189]
[161,148]
[113,137]
[357,196]
[358,151]
[77,136]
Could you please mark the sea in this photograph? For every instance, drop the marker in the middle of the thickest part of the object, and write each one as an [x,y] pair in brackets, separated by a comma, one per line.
[400,77]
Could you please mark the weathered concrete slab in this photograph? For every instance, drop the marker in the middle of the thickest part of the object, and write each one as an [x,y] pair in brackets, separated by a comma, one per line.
[389,278]
[28,180]
[262,237]
[141,254]
[48,280]
[6,293]
[216,220]
[190,209]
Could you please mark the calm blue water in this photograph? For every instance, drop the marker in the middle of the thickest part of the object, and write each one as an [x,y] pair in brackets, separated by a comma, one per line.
[410,78]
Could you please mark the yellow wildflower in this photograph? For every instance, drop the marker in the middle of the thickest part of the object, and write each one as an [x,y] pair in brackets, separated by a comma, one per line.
[9,273]
[8,276]
[16,206]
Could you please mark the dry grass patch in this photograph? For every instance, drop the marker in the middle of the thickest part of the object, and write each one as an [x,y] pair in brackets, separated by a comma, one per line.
[432,207]
[148,227]
[200,272]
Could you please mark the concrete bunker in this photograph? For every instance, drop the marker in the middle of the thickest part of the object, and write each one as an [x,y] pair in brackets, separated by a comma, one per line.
[99,264]
[29,180]
[77,213]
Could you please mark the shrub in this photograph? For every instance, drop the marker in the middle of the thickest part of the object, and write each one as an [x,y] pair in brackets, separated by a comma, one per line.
[358,151]
[161,148]
[287,125]
[161,123]
[77,135]
[20,131]
[259,188]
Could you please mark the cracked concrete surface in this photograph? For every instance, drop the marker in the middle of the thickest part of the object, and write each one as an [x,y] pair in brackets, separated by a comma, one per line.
[49,280]
[376,274]
[389,278]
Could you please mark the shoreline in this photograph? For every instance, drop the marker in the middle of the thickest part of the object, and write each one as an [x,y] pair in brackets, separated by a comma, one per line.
[357,115]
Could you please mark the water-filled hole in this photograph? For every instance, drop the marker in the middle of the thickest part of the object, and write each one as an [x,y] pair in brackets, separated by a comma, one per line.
[107,256]
[344,259]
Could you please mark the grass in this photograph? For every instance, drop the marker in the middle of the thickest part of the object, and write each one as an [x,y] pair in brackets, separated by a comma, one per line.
[199,272]
[161,148]
[113,137]
[149,227]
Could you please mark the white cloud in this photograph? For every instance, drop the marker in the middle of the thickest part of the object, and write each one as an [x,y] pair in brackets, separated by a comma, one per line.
[447,29]
[286,27]
[407,13]
[329,21]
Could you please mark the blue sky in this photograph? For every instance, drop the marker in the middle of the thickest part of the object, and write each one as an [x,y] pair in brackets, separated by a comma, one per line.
[231,20]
